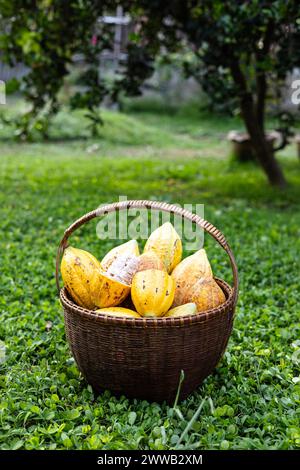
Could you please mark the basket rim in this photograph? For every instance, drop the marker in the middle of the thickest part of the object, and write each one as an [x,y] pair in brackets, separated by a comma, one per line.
[225,307]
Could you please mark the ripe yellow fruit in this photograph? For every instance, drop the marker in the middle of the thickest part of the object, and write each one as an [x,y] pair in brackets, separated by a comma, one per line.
[188,273]
[118,312]
[106,291]
[150,260]
[152,292]
[78,268]
[207,294]
[129,248]
[166,243]
[182,311]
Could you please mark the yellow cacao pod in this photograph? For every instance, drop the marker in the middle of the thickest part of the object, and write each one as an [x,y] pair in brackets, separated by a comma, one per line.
[123,268]
[152,292]
[118,312]
[189,272]
[182,310]
[207,294]
[150,260]
[107,291]
[166,243]
[78,269]
[129,248]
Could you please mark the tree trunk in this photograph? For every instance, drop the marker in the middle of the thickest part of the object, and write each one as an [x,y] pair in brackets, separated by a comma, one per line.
[260,146]
[256,130]
[261,85]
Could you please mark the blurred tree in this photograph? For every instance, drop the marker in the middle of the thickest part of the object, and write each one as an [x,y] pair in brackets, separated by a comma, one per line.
[44,35]
[239,47]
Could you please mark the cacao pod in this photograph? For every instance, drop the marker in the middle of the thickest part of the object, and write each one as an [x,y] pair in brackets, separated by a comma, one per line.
[182,310]
[107,291]
[150,260]
[129,248]
[123,268]
[118,312]
[78,268]
[189,272]
[205,293]
[166,243]
[152,292]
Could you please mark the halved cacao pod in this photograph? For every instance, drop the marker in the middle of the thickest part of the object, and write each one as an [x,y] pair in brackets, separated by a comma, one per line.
[107,291]
[182,310]
[166,243]
[118,312]
[123,268]
[189,272]
[150,260]
[129,248]
[78,268]
[152,292]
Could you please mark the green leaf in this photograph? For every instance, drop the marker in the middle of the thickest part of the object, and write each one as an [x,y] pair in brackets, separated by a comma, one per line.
[132,417]
[49,415]
[35,409]
[17,444]
[71,414]
[224,445]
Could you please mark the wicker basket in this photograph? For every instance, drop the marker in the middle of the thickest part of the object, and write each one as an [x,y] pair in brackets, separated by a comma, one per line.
[143,358]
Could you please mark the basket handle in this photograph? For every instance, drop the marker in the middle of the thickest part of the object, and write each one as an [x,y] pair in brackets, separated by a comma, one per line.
[162,206]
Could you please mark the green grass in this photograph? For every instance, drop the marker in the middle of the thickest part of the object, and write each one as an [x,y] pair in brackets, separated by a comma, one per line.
[252,399]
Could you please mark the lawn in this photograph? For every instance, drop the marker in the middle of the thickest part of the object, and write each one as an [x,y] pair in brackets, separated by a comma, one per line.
[252,399]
